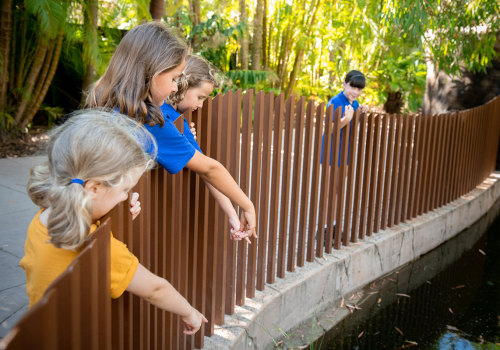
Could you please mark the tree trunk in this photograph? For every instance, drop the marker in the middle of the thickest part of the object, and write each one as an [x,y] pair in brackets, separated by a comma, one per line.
[29,85]
[195,6]
[156,8]
[244,38]
[264,35]
[257,35]
[45,81]
[91,46]
[5,39]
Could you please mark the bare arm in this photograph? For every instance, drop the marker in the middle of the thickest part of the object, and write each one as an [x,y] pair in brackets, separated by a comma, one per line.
[159,292]
[216,174]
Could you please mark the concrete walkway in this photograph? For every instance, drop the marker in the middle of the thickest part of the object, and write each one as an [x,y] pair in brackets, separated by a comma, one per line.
[16,212]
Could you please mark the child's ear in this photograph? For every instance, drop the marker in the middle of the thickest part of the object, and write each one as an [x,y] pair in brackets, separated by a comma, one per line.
[92,187]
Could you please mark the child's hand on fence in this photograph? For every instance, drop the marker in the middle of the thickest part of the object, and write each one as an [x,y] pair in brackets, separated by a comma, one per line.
[135,205]
[363,109]
[192,323]
[349,111]
[248,223]
[193,130]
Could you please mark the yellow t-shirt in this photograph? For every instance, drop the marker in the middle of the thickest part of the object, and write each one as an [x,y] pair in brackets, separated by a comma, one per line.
[43,262]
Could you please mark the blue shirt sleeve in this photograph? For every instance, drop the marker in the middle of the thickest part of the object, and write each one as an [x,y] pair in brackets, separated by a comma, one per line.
[189,136]
[174,149]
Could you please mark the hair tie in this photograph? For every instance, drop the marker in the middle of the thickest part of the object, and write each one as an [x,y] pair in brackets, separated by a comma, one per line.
[77,181]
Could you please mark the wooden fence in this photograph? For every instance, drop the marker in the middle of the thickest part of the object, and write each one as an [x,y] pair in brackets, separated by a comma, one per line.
[392,168]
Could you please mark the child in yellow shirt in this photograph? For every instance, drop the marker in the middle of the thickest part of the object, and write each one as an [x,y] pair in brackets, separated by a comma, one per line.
[94,160]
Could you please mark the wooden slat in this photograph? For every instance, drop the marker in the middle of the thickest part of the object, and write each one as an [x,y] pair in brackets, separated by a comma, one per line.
[401,169]
[345,151]
[267,122]
[279,110]
[296,183]
[409,141]
[366,178]
[359,176]
[415,166]
[388,171]
[246,129]
[353,147]
[255,188]
[306,183]
[285,185]
[324,177]
[318,127]
[382,172]
[393,204]
[330,181]
[375,172]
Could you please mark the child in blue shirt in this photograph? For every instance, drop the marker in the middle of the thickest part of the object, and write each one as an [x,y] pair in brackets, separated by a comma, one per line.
[196,83]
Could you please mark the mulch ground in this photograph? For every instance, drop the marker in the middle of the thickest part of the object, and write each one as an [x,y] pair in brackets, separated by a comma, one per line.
[32,143]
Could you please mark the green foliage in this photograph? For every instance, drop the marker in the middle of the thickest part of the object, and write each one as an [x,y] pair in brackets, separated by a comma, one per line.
[457,34]
[251,79]
[53,114]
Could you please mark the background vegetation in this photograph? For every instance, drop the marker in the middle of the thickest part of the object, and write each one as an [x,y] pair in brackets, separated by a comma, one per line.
[51,50]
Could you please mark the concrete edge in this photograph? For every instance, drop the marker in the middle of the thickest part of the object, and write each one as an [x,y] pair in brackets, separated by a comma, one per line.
[287,303]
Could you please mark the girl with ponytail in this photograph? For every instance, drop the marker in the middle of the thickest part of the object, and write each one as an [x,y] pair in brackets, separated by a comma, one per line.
[94,160]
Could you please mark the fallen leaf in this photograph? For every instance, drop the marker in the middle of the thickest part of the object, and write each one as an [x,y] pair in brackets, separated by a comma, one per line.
[403,295]
[398,330]
[451,328]
[460,286]
[361,334]
[482,252]
[451,311]
[342,302]
[379,300]
[411,342]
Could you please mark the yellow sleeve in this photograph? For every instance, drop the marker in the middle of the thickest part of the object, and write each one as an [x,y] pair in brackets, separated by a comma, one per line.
[123,267]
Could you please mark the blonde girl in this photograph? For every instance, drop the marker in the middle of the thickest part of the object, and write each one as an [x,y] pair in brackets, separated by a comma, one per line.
[94,160]
[196,83]
[141,75]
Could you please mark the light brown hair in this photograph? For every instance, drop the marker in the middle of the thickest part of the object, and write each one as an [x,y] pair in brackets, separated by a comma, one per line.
[144,52]
[91,145]
[197,70]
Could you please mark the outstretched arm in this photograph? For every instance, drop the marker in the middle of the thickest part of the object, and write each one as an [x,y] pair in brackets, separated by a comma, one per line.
[159,292]
[216,174]
[226,205]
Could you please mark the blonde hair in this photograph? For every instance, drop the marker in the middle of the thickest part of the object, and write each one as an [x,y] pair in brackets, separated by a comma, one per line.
[144,52]
[92,145]
[197,70]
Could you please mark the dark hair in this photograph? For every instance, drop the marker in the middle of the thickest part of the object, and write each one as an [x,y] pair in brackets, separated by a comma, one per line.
[144,52]
[356,79]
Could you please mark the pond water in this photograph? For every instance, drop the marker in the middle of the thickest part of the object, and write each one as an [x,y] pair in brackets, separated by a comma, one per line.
[448,299]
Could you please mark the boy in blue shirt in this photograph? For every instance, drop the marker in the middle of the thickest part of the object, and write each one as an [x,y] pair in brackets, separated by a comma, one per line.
[353,86]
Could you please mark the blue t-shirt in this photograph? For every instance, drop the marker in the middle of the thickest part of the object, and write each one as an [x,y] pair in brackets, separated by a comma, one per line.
[174,149]
[187,130]
[340,101]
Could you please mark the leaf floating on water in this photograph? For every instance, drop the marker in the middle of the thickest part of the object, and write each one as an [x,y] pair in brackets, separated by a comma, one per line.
[451,328]
[428,282]
[411,342]
[482,252]
[460,286]
[398,330]
[379,300]
[403,295]
[361,334]
[450,310]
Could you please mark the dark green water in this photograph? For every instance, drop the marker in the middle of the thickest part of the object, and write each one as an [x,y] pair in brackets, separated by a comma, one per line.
[448,299]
